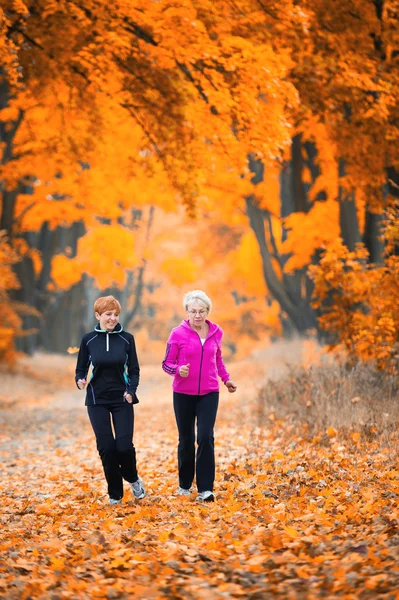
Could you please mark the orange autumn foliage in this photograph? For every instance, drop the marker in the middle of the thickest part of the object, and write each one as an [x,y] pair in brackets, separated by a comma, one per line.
[347,77]
[140,104]
[109,110]
[359,301]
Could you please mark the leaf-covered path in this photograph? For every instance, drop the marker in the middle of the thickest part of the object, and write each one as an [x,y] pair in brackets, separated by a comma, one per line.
[295,517]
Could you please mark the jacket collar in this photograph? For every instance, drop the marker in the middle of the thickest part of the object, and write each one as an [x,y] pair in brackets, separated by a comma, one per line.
[213,327]
[118,329]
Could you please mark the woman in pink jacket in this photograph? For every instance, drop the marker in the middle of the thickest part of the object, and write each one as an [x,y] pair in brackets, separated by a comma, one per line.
[194,358]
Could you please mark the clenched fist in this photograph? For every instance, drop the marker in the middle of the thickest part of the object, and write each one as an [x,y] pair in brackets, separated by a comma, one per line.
[128,397]
[184,370]
[230,386]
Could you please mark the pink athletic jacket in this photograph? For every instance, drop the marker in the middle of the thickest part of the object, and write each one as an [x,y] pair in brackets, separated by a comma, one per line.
[206,362]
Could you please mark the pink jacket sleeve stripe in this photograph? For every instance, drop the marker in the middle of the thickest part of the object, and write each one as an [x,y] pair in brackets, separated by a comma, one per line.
[169,362]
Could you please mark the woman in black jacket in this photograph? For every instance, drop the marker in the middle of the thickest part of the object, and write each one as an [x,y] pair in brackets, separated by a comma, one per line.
[110,394]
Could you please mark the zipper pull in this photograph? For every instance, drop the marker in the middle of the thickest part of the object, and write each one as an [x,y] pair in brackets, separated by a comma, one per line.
[107,342]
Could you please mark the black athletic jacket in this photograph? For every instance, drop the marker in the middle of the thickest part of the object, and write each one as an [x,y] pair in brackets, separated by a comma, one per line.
[115,365]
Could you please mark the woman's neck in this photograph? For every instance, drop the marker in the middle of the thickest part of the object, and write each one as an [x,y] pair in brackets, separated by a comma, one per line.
[202,329]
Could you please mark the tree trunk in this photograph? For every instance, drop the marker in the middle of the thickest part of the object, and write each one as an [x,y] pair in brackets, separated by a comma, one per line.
[64,312]
[27,295]
[372,237]
[299,194]
[348,220]
[8,130]
[301,316]
[392,182]
[286,199]
[8,203]
[293,290]
[311,152]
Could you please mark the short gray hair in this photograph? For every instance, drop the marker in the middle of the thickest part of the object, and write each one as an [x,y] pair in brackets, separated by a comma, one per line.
[197,295]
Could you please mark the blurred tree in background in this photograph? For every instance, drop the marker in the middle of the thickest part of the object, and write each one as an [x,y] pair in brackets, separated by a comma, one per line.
[148,148]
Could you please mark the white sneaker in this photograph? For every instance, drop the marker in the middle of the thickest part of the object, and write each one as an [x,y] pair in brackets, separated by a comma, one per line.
[138,489]
[113,501]
[205,497]
[183,492]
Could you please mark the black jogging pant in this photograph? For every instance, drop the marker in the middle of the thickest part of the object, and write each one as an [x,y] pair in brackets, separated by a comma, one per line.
[117,452]
[200,410]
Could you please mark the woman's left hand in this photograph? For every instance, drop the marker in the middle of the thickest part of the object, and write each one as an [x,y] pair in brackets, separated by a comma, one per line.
[230,386]
[128,397]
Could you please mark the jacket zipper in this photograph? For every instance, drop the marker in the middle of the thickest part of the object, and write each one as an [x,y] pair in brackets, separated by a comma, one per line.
[92,393]
[107,342]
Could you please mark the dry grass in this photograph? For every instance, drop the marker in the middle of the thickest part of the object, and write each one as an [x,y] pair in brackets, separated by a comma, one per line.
[331,395]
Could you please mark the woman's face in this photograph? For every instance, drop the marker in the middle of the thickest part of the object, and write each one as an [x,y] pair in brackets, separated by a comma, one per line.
[197,313]
[108,320]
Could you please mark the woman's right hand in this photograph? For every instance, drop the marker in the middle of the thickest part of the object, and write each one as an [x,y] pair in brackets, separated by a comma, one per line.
[184,370]
[231,386]
[81,383]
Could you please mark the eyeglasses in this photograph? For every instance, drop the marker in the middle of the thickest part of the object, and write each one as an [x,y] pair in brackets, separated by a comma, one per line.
[197,312]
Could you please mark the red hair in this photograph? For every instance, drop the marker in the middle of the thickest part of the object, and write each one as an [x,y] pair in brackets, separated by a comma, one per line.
[106,303]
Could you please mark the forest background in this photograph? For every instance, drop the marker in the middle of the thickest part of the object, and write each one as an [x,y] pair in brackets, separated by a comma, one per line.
[246,147]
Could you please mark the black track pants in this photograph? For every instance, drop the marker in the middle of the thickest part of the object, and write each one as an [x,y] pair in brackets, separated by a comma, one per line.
[117,452]
[188,410]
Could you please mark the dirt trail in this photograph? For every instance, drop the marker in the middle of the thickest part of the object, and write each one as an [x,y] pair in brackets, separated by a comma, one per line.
[45,430]
[40,407]
[295,517]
